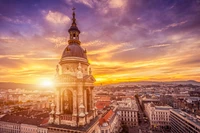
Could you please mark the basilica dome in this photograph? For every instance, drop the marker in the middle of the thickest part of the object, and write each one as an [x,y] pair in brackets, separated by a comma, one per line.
[74,50]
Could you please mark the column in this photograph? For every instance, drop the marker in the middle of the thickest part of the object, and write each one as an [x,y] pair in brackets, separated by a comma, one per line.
[57,115]
[92,101]
[75,109]
[61,103]
[85,99]
[85,104]
[80,94]
[74,103]
[58,101]
[81,107]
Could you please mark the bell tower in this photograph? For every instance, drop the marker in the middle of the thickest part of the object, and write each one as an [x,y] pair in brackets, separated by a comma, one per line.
[74,31]
[74,105]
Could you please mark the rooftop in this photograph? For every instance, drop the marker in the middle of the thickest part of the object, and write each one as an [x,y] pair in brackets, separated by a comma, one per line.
[104,98]
[192,119]
[127,104]
[21,120]
[102,104]
[163,107]
[106,117]
[32,117]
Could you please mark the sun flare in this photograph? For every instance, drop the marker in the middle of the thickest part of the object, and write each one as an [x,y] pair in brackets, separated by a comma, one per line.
[47,83]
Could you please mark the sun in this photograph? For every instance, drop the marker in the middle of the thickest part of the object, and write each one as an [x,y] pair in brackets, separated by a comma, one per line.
[47,83]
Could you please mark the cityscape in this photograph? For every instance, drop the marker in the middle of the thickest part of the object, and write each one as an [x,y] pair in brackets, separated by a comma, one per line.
[90,66]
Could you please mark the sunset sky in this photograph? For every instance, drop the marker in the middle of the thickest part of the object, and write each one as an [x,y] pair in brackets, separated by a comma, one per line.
[126,40]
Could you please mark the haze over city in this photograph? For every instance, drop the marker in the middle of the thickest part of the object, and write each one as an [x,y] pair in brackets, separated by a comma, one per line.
[126,40]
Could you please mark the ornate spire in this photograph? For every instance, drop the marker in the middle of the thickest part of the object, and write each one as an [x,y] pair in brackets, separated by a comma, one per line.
[73,19]
[74,25]
[74,31]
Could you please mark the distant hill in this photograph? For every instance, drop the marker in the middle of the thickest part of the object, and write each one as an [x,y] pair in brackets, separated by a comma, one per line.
[193,82]
[11,85]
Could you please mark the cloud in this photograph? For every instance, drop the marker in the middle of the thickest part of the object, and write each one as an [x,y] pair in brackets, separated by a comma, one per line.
[169,26]
[57,18]
[58,41]
[17,19]
[159,45]
[12,56]
[7,39]
[126,40]
[102,7]
[89,3]
[117,3]
[104,49]
[191,61]
[11,63]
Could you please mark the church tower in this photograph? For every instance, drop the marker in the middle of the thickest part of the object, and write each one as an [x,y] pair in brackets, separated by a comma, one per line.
[74,105]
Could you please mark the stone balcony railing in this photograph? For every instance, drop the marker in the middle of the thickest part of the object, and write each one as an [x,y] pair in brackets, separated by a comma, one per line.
[67,117]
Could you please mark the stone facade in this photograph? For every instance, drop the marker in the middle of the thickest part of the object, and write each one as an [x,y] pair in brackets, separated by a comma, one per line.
[16,124]
[158,115]
[182,122]
[128,112]
[110,122]
[8,127]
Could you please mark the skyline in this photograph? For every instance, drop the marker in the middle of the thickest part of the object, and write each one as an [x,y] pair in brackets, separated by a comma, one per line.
[125,40]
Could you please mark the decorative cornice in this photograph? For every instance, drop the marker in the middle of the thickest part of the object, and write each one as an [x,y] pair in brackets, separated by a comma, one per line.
[73,59]
[74,41]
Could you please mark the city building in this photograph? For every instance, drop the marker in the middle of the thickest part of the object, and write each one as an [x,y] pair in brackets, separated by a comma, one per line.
[182,122]
[74,110]
[8,124]
[24,122]
[102,102]
[149,99]
[128,112]
[110,123]
[158,115]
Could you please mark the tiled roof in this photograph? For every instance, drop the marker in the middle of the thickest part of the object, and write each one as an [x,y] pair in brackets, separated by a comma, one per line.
[106,117]
[12,119]
[21,120]
[45,121]
[101,104]
[30,113]
[104,98]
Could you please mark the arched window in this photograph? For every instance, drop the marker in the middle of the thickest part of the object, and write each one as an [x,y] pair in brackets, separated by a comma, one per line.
[68,102]
[74,36]
[88,100]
